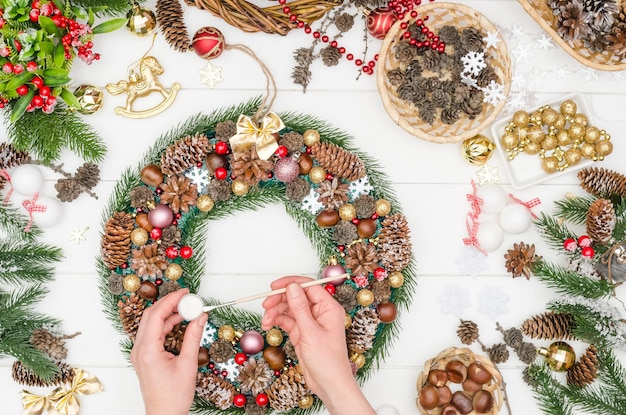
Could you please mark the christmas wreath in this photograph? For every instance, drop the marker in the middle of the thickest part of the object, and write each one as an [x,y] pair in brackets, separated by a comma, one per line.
[214,165]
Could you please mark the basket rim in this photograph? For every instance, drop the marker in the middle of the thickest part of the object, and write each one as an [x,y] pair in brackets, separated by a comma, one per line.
[502,52]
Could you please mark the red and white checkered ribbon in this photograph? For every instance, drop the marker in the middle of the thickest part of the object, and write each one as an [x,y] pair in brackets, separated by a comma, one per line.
[32,206]
[471,222]
[530,204]
[5,174]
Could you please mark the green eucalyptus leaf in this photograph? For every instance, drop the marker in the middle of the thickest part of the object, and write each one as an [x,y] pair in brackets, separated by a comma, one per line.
[48,25]
[56,73]
[69,98]
[19,80]
[52,81]
[59,56]
[20,105]
[46,48]
[109,25]
[92,17]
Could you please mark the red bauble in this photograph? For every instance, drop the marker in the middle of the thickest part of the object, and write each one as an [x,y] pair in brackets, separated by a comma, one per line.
[208,43]
[239,400]
[221,173]
[171,252]
[262,399]
[379,22]
[331,289]
[186,252]
[240,358]
[221,148]
[156,233]
[281,151]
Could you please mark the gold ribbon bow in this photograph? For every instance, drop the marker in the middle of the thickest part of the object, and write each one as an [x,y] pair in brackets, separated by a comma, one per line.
[62,401]
[261,136]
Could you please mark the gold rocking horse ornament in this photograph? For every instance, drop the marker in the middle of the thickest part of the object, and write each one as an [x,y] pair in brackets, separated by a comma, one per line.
[141,82]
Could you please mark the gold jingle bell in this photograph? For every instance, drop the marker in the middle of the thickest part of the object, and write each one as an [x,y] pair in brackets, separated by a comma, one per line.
[560,356]
[141,21]
[89,97]
[478,149]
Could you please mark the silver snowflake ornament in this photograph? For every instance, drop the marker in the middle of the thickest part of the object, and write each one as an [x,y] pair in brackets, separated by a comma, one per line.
[210,75]
[311,204]
[473,62]
[360,187]
[231,367]
[200,177]
[491,40]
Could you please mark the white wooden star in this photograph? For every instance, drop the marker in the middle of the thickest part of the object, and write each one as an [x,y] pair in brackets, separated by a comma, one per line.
[491,40]
[78,234]
[210,75]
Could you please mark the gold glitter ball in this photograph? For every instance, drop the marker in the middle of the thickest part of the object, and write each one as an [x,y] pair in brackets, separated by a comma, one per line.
[131,283]
[563,138]
[173,271]
[358,359]
[560,122]
[604,148]
[305,402]
[535,117]
[572,156]
[347,322]
[576,131]
[550,164]
[205,203]
[239,187]
[536,134]
[347,211]
[89,97]
[396,279]
[365,297]
[549,143]
[532,148]
[311,137]
[139,236]
[568,107]
[592,134]
[588,150]
[521,118]
[317,174]
[549,116]
[509,141]
[274,337]
[581,119]
[477,149]
[383,207]
[226,332]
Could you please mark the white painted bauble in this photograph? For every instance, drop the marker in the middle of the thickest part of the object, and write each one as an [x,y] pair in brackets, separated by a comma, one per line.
[27,179]
[489,236]
[493,196]
[387,410]
[53,214]
[515,218]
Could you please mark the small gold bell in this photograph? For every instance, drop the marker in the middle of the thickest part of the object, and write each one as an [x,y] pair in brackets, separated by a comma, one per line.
[478,149]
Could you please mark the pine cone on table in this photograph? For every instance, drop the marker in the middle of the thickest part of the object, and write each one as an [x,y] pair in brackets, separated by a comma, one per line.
[338,162]
[549,325]
[362,332]
[498,353]
[602,182]
[148,261]
[394,243]
[250,168]
[130,310]
[53,346]
[600,221]
[361,258]
[25,376]
[169,14]
[526,352]
[301,75]
[585,371]
[179,193]
[330,56]
[215,389]
[68,189]
[285,393]
[88,175]
[254,376]
[185,153]
[115,244]
[333,194]
[520,260]
[513,337]
[467,332]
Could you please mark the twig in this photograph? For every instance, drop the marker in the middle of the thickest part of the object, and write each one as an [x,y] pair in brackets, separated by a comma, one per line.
[59,169]
[506,395]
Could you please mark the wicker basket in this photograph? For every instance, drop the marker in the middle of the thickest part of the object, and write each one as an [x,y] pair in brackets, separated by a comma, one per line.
[466,356]
[405,114]
[541,12]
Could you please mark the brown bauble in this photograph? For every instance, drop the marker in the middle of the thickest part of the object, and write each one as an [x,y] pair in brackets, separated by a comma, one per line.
[387,313]
[143,221]
[445,395]
[148,290]
[327,218]
[203,357]
[478,373]
[366,228]
[215,161]
[483,402]
[457,371]
[429,397]
[275,357]
[152,175]
[462,402]
[305,163]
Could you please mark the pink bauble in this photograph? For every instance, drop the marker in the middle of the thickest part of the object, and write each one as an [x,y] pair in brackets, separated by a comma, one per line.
[286,170]
[379,22]
[208,43]
[251,342]
[161,216]
[334,270]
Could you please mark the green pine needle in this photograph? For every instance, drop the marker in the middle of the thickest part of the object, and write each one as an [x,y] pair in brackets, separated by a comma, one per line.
[570,282]
[574,209]
[554,231]
[548,391]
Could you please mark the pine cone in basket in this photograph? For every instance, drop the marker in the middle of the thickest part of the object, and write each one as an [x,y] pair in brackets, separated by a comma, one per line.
[572,21]
[600,221]
[115,244]
[617,39]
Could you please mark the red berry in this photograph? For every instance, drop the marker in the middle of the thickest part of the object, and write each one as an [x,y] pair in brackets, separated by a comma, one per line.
[7,67]
[18,68]
[262,399]
[584,241]
[44,91]
[22,90]
[588,252]
[239,400]
[37,101]
[34,15]
[329,176]
[221,173]
[31,66]
[282,151]
[355,221]
[380,273]
[156,233]
[186,252]
[240,358]
[158,282]
[277,373]
[37,81]
[570,244]
[171,252]
[330,288]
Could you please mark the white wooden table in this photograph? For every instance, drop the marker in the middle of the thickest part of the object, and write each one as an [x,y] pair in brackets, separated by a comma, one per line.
[431,181]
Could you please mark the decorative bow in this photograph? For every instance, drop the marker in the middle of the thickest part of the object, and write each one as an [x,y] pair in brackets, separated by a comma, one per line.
[32,206]
[471,221]
[261,136]
[6,176]
[530,204]
[62,401]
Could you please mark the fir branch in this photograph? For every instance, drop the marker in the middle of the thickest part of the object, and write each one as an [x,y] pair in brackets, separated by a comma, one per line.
[547,391]
[18,346]
[574,209]
[570,282]
[27,262]
[619,232]
[554,231]
[13,222]
[612,373]
[106,7]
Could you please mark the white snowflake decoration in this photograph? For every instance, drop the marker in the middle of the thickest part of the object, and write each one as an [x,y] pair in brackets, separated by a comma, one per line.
[471,261]
[469,80]
[453,299]
[493,301]
[231,367]
[208,334]
[618,76]
[589,74]
[311,204]
[210,75]
[494,93]
[360,187]
[200,177]
[522,52]
[517,101]
[78,234]
[517,31]
[488,174]
[544,43]
[473,62]
[491,40]
[561,72]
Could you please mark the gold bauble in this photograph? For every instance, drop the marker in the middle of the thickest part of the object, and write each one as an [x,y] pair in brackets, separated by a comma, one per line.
[239,187]
[563,138]
[274,337]
[311,137]
[89,97]
[532,148]
[358,359]
[588,150]
[173,271]
[383,207]
[549,116]
[347,212]
[550,164]
[521,118]
[305,402]
[560,122]
[131,283]
[141,21]
[581,119]
[205,203]
[604,148]
[509,141]
[477,149]
[560,356]
[395,279]
[576,131]
[568,107]
[347,321]
[592,134]
[317,174]
[139,236]
[572,156]
[536,134]
[365,297]
[535,117]
[226,332]
[549,143]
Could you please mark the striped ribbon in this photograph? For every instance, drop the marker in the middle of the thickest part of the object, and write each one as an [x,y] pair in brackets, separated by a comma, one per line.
[32,206]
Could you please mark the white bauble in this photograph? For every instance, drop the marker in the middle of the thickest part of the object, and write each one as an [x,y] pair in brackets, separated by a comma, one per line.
[27,179]
[387,410]
[493,196]
[515,218]
[53,214]
[489,236]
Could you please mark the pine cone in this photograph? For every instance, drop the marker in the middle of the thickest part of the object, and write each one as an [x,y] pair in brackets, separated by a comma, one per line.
[330,55]
[170,235]
[498,353]
[512,337]
[116,283]
[68,189]
[365,206]
[185,153]
[394,243]
[179,193]
[361,258]
[225,129]
[520,259]
[362,332]
[293,140]
[301,75]
[381,290]
[285,393]
[572,22]
[88,175]
[585,371]
[169,14]
[174,339]
[601,221]
[467,332]
[549,325]
[346,296]
[130,310]
[298,189]
[617,39]
[250,168]
[602,182]
[219,190]
[148,261]
[526,352]
[215,389]
[290,351]
[252,408]
[48,343]
[338,162]
[10,157]
[115,244]
[333,194]
[221,350]
[344,22]
[344,233]
[168,287]
[472,39]
[25,376]
[254,376]
[141,197]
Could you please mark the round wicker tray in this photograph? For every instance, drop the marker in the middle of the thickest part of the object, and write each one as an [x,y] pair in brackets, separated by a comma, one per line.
[541,12]
[405,114]
[466,356]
